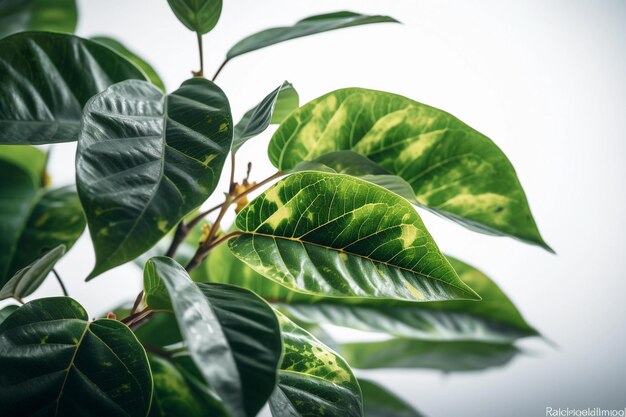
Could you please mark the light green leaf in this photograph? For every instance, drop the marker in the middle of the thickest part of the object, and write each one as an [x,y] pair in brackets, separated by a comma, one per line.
[232,335]
[27,280]
[118,47]
[146,160]
[273,109]
[27,158]
[178,393]
[453,169]
[199,16]
[493,319]
[33,220]
[313,380]
[81,368]
[379,402]
[49,15]
[46,79]
[335,235]
[450,356]
[6,312]
[309,26]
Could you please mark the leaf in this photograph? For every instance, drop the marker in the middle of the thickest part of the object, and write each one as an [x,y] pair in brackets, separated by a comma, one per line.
[139,62]
[309,26]
[453,169]
[79,367]
[27,280]
[450,356]
[33,220]
[160,331]
[273,109]
[48,15]
[27,158]
[6,312]
[146,160]
[313,380]
[177,393]
[46,79]
[199,16]
[335,235]
[232,336]
[379,402]
[494,319]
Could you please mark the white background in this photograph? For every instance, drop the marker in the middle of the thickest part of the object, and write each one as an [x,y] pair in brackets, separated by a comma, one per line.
[543,79]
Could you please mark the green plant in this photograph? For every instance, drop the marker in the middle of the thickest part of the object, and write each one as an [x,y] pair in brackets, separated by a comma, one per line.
[229,317]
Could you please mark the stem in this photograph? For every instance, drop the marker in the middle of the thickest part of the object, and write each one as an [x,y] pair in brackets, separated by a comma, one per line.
[257,186]
[136,303]
[231,187]
[201,53]
[132,317]
[200,216]
[203,251]
[156,350]
[181,232]
[56,274]
[220,69]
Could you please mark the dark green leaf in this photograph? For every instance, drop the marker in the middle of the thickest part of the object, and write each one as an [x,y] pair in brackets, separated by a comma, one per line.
[177,393]
[27,158]
[48,15]
[6,312]
[197,15]
[46,79]
[79,368]
[33,220]
[160,331]
[493,319]
[305,27]
[132,57]
[453,169]
[232,335]
[313,380]
[27,280]
[379,402]
[273,109]
[335,235]
[146,160]
[444,356]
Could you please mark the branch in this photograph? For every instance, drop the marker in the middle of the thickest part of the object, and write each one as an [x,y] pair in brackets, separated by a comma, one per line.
[56,274]
[203,251]
[220,69]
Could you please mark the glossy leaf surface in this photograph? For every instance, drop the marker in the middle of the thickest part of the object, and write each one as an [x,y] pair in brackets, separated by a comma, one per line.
[197,15]
[493,319]
[305,27]
[335,235]
[46,79]
[453,169]
[80,368]
[139,62]
[314,380]
[443,356]
[379,402]
[27,280]
[48,15]
[273,109]
[232,335]
[145,160]
[33,220]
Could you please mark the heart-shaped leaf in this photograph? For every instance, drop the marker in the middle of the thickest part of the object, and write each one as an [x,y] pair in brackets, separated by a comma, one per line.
[313,380]
[232,335]
[379,402]
[335,235]
[46,79]
[49,15]
[80,368]
[118,47]
[273,109]
[197,15]
[146,160]
[305,27]
[27,280]
[452,356]
[33,220]
[493,319]
[453,169]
